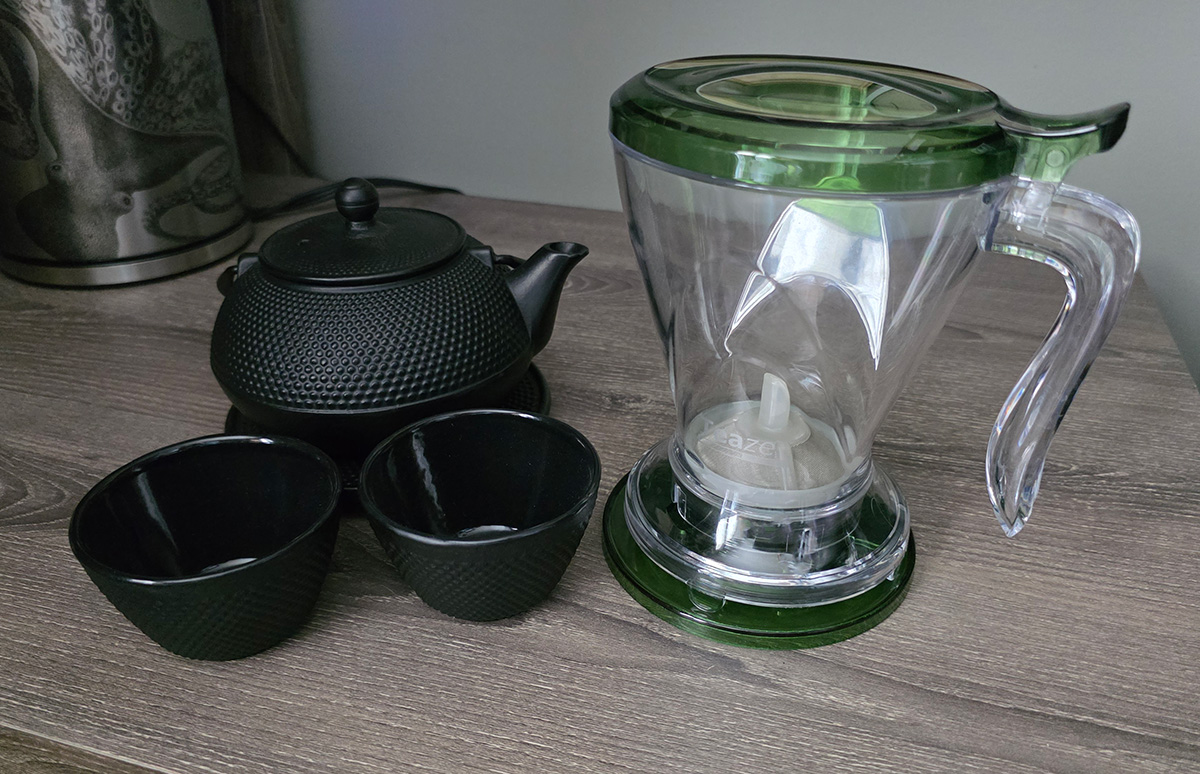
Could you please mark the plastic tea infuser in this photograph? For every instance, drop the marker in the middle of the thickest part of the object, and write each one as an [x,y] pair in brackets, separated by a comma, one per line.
[804,227]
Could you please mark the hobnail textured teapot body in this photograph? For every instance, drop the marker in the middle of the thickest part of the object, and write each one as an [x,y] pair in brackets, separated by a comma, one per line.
[343,329]
[350,362]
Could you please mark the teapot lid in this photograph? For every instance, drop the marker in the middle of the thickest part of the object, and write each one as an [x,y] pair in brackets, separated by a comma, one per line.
[361,243]
[844,125]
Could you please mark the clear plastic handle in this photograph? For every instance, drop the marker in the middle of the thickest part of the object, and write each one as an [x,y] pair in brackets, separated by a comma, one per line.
[1095,245]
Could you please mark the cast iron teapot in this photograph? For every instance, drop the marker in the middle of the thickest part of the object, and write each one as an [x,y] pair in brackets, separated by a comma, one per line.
[348,325]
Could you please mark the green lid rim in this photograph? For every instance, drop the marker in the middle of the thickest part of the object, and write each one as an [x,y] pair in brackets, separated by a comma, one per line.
[947,149]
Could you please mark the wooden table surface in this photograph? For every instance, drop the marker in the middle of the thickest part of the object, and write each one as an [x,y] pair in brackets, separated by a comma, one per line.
[1072,648]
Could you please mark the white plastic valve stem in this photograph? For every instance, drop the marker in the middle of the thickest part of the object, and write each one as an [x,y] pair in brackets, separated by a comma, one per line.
[775,411]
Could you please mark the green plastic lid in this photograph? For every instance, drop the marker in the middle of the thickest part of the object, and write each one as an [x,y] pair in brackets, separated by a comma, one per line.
[838,124]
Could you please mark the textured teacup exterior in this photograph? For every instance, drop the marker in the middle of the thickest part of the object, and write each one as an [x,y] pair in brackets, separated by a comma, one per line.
[230,615]
[486,580]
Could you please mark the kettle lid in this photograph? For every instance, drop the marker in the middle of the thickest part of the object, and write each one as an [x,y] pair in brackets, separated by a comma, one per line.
[361,243]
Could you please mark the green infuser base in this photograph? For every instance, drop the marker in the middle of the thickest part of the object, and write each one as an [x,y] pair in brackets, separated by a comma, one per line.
[754,626]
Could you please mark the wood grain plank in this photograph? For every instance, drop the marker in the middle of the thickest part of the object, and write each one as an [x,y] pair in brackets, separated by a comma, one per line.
[1070,649]
[22,753]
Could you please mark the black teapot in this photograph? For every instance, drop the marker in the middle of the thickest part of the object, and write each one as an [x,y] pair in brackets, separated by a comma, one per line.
[348,325]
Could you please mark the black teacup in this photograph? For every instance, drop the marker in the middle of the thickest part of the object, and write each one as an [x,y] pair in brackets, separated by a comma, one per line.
[481,511]
[217,547]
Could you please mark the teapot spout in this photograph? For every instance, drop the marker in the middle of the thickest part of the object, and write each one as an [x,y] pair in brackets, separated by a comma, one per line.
[537,284]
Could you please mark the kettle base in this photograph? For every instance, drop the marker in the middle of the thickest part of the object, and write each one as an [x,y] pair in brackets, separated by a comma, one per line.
[737,623]
[125,271]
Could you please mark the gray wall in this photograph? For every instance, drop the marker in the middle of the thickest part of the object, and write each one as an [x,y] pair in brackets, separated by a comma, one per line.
[508,98]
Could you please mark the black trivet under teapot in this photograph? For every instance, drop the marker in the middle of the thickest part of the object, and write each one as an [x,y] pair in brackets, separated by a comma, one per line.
[348,325]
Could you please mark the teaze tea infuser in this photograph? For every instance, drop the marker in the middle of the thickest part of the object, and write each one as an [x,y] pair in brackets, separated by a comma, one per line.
[803,227]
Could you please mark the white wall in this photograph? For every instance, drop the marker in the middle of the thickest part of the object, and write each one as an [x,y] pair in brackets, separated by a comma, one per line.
[509,98]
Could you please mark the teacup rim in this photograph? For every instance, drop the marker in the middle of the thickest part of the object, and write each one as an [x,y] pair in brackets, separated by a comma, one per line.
[376,514]
[91,563]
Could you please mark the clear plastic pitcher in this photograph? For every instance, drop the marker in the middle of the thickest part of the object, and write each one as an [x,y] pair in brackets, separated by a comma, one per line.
[804,227]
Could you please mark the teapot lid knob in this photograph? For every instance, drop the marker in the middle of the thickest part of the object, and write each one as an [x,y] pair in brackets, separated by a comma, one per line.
[357,200]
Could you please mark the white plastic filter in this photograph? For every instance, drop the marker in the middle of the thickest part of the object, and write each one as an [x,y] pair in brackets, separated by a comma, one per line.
[767,452]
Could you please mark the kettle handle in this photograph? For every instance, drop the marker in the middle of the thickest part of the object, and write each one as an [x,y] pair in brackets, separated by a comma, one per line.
[227,277]
[1095,245]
